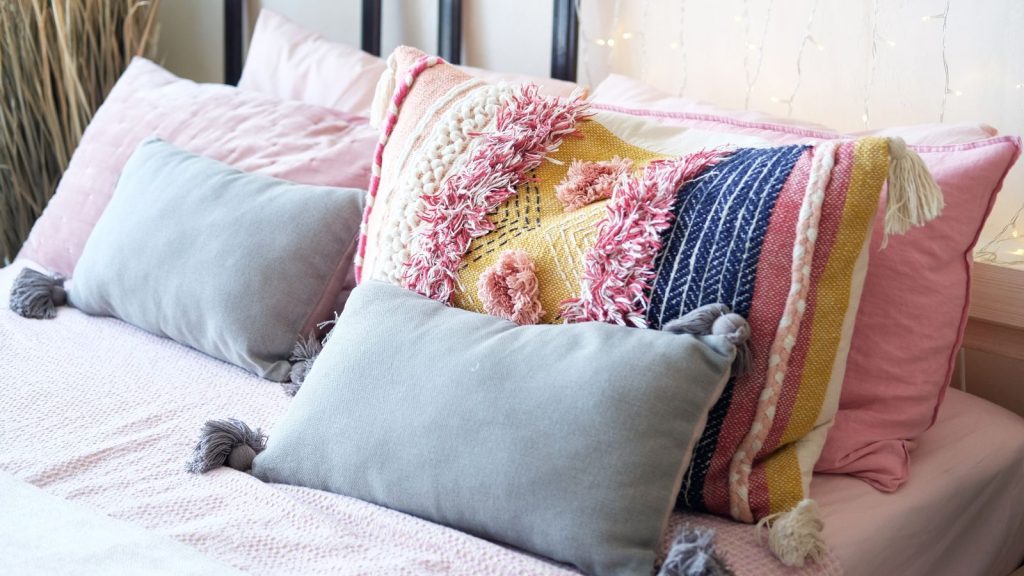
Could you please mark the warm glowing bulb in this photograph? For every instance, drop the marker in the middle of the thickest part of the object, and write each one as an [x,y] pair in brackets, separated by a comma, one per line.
[751,47]
[958,93]
[610,42]
[738,18]
[821,47]
[776,99]
[627,35]
[599,42]
[674,45]
[864,118]
[1018,252]
[1020,86]
[891,43]
[925,18]
[1015,233]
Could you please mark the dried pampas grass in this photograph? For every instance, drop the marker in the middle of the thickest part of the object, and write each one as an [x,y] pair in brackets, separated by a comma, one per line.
[58,60]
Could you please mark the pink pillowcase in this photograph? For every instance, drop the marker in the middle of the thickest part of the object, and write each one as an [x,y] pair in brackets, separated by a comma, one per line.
[286,60]
[289,140]
[914,306]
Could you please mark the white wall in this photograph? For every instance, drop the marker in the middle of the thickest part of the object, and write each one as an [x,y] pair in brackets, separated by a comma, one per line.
[735,53]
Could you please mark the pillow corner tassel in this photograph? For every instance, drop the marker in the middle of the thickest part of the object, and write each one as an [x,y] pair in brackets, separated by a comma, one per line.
[914,199]
[228,442]
[693,553]
[796,535]
[37,295]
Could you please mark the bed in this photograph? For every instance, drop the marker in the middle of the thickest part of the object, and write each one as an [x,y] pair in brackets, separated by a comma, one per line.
[100,415]
[106,413]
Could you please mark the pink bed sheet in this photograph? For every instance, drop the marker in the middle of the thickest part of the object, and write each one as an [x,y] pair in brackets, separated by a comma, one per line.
[961,512]
[98,412]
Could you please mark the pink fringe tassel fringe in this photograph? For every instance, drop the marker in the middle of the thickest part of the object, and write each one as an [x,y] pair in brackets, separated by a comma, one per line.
[619,267]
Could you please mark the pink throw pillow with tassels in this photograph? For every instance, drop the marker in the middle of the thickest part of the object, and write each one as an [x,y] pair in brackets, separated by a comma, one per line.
[913,310]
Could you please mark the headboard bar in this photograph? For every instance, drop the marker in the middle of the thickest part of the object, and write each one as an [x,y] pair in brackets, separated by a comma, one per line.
[371,26]
[234,25]
[565,30]
[449,30]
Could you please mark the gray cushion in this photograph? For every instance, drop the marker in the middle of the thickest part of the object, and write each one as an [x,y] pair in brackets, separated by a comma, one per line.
[567,441]
[233,264]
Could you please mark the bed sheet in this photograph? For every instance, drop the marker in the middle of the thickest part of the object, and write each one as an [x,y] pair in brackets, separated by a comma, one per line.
[98,412]
[960,513]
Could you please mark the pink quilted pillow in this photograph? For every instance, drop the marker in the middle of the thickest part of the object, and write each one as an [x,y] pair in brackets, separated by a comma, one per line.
[287,60]
[289,140]
[913,310]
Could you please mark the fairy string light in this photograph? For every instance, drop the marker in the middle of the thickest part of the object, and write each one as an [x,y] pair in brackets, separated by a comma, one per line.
[680,45]
[946,92]
[807,41]
[751,78]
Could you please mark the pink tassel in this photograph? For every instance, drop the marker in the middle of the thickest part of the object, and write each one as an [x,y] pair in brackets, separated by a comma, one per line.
[619,267]
[509,288]
[588,182]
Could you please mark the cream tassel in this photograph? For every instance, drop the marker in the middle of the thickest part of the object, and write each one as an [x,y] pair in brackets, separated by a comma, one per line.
[795,535]
[914,197]
[383,94]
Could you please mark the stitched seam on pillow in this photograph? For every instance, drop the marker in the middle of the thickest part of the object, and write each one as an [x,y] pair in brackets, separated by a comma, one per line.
[795,131]
[401,93]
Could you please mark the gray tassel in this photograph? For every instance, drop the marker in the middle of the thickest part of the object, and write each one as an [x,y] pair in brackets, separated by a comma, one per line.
[718,319]
[693,554]
[227,442]
[303,356]
[37,295]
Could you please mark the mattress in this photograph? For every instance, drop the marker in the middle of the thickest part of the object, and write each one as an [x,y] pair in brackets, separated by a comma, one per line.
[104,415]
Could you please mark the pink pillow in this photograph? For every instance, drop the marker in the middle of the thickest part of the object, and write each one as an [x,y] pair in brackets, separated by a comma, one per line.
[288,61]
[289,140]
[913,309]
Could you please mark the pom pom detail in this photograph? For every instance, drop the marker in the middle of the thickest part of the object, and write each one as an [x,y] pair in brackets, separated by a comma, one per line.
[693,554]
[226,442]
[914,199]
[509,288]
[720,320]
[304,354]
[588,182]
[796,535]
[37,295]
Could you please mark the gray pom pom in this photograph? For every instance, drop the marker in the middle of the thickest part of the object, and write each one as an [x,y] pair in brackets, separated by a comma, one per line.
[697,322]
[37,295]
[303,356]
[227,441]
[718,319]
[693,554]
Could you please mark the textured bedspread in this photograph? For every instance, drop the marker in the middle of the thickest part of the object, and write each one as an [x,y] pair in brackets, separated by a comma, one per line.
[97,412]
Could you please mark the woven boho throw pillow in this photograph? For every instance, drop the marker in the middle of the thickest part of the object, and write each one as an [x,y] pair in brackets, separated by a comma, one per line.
[539,210]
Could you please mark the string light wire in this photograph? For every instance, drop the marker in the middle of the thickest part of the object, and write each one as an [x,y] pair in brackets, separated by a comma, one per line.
[681,46]
[752,78]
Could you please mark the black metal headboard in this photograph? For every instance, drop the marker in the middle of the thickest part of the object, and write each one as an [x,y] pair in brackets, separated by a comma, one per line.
[564,36]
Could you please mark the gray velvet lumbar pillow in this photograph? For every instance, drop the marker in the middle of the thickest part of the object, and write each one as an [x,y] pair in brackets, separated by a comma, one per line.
[236,265]
[565,441]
